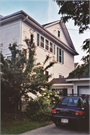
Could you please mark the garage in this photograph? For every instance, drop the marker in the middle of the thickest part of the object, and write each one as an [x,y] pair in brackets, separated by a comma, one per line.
[84,90]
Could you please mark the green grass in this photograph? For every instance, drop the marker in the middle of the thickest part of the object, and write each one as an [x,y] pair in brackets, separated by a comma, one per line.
[16,127]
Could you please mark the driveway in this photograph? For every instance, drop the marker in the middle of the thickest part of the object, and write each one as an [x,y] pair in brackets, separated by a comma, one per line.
[53,130]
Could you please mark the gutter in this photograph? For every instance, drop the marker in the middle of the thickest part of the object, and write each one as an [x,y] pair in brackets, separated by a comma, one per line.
[63,84]
[78,79]
[22,14]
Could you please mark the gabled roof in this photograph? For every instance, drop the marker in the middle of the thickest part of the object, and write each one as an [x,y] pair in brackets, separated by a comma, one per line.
[24,16]
[64,29]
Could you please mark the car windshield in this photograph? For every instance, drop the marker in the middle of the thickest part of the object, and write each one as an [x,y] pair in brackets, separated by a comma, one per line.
[70,101]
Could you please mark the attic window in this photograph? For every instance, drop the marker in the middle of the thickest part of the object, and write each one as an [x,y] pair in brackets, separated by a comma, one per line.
[59,34]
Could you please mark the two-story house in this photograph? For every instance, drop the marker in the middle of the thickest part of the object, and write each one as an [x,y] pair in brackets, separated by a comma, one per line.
[52,38]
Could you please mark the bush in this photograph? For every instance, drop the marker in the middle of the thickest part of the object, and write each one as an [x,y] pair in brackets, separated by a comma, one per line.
[12,116]
[52,97]
[38,110]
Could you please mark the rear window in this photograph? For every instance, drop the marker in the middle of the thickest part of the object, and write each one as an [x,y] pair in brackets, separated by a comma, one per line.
[70,101]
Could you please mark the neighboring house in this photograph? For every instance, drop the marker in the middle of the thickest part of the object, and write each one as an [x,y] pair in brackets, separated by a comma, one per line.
[68,86]
[52,38]
[80,85]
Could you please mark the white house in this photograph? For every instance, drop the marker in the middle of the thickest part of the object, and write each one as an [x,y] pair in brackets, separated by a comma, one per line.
[68,86]
[52,38]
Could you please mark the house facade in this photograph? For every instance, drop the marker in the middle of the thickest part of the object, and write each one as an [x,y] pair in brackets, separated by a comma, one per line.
[70,86]
[52,38]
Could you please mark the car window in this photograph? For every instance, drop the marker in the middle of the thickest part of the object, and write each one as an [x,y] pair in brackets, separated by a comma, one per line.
[70,101]
[64,101]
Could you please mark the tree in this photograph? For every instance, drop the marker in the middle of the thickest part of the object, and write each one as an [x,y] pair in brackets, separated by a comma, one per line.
[22,74]
[77,11]
[83,69]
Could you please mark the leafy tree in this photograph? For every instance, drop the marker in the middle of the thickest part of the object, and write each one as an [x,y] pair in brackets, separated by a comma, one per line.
[77,11]
[83,69]
[22,75]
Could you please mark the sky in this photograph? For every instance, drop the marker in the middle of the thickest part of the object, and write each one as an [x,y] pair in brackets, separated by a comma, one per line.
[45,11]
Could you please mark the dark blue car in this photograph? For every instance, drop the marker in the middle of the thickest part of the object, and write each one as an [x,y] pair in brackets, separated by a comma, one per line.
[71,110]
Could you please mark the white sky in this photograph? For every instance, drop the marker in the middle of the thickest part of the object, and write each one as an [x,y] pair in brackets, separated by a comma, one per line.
[45,11]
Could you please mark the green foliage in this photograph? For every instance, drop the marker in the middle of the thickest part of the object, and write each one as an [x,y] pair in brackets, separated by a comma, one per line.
[83,69]
[75,10]
[13,116]
[38,110]
[79,12]
[86,47]
[22,75]
[51,96]
[80,71]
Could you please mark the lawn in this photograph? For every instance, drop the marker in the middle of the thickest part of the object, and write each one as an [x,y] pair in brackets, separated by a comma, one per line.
[17,126]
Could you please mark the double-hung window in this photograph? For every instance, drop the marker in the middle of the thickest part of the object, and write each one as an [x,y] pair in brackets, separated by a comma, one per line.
[60,55]
[47,44]
[42,42]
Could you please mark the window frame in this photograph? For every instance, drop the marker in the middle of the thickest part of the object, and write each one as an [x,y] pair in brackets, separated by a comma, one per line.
[42,41]
[60,55]
[51,47]
[46,44]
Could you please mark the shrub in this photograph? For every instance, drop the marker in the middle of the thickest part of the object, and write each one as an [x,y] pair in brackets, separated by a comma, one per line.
[38,110]
[52,97]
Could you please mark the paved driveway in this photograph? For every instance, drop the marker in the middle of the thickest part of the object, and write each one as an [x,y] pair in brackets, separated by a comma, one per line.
[53,130]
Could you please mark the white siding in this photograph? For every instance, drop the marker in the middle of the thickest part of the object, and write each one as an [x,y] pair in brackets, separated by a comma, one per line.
[41,53]
[10,33]
[54,30]
[17,31]
[80,84]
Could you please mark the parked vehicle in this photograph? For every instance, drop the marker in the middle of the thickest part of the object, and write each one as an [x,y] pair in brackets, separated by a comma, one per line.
[71,109]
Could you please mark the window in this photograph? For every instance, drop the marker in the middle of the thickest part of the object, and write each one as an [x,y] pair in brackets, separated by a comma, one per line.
[9,57]
[47,45]
[60,76]
[42,42]
[58,33]
[70,101]
[51,47]
[60,55]
[38,39]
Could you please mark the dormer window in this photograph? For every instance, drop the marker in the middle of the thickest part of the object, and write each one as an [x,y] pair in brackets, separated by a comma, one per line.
[58,34]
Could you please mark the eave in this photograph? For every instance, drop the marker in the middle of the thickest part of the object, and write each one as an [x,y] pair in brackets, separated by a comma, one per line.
[77,79]
[35,25]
